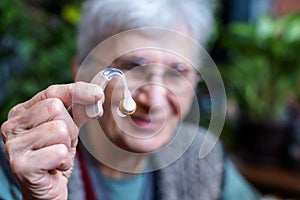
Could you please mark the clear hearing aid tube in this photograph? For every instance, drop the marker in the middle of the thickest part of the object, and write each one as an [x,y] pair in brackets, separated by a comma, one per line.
[127,105]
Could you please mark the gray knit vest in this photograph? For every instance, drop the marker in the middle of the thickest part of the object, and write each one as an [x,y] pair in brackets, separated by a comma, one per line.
[188,178]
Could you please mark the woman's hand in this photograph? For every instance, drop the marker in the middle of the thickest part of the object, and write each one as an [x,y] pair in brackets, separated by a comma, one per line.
[41,135]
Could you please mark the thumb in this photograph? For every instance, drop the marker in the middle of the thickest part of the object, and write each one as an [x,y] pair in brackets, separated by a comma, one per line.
[82,113]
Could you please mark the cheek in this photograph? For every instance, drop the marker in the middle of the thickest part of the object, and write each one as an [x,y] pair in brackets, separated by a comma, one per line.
[181,104]
[113,95]
[107,120]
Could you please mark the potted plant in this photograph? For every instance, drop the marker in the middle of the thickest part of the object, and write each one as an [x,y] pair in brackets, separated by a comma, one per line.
[262,78]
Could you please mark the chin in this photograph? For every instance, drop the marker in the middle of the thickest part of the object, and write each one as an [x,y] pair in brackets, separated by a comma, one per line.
[145,145]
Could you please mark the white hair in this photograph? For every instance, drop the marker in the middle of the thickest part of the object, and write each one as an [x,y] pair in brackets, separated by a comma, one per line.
[104,18]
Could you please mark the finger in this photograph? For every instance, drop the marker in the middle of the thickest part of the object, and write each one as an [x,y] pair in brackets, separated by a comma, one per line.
[58,157]
[47,134]
[79,92]
[42,112]
[81,114]
[42,160]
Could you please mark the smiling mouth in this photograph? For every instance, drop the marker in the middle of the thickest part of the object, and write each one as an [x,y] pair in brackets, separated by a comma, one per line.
[148,123]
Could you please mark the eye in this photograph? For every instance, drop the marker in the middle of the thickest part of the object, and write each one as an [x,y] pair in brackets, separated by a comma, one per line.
[180,68]
[171,73]
[132,63]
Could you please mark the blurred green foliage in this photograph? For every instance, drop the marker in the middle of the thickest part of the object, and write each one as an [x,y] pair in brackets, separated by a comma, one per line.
[37,44]
[262,75]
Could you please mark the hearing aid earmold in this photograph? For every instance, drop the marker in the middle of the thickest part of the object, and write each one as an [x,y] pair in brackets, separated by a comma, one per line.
[127,105]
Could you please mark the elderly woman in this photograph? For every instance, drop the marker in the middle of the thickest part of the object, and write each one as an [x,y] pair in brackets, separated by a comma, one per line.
[148,55]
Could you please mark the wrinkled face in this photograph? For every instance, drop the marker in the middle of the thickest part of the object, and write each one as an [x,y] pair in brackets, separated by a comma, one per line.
[162,85]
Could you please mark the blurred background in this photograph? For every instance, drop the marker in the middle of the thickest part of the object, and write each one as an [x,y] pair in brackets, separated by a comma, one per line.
[256,46]
[256,51]
[37,42]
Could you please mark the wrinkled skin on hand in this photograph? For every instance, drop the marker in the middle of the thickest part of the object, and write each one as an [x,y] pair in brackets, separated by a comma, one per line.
[41,135]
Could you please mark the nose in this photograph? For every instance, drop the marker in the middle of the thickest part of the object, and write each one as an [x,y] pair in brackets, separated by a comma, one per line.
[152,93]
[155,77]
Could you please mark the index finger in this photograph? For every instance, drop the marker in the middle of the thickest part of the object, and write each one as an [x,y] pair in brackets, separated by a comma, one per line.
[79,93]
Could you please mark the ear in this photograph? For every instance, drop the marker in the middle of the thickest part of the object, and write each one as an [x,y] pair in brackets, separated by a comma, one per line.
[75,64]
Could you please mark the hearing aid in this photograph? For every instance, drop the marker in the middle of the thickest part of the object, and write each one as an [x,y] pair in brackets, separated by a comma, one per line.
[126,106]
